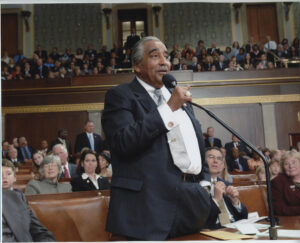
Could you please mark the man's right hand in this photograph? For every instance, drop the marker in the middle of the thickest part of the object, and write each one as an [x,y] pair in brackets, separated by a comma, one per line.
[219,190]
[179,97]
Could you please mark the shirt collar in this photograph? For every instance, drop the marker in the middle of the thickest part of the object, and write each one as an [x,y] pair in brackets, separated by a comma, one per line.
[85,176]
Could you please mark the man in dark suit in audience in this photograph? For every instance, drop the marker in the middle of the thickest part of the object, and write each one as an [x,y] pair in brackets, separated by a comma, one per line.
[5,147]
[236,143]
[68,169]
[193,66]
[13,156]
[62,135]
[226,206]
[155,192]
[211,141]
[25,152]
[19,224]
[236,162]
[132,39]
[213,48]
[88,139]
[221,64]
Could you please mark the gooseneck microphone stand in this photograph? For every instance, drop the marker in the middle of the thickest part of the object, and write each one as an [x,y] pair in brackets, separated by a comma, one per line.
[170,82]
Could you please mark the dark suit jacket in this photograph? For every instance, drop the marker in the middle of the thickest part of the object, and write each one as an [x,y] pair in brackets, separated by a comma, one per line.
[285,196]
[82,141]
[79,184]
[147,189]
[218,66]
[241,146]
[72,170]
[217,143]
[21,220]
[68,144]
[233,165]
[131,40]
[20,155]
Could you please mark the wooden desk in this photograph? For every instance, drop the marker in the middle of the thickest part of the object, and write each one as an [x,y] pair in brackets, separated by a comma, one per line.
[286,222]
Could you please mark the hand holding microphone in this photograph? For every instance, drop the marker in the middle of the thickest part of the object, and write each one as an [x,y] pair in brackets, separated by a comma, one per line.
[179,96]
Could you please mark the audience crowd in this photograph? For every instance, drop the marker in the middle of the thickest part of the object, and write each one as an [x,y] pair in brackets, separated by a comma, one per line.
[91,62]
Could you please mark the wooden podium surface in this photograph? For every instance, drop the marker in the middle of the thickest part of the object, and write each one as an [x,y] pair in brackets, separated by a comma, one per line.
[285,222]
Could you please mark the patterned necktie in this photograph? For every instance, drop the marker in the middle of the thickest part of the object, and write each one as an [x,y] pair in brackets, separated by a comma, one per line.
[223,216]
[158,96]
[66,172]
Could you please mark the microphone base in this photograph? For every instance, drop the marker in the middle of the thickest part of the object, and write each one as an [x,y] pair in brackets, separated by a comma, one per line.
[273,233]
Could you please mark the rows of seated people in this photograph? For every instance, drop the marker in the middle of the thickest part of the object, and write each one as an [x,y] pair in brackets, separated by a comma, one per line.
[285,187]
[90,62]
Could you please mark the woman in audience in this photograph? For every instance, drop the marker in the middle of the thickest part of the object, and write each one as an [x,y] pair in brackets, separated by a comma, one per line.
[247,63]
[235,48]
[260,173]
[37,159]
[104,159]
[89,169]
[274,167]
[50,170]
[255,161]
[286,186]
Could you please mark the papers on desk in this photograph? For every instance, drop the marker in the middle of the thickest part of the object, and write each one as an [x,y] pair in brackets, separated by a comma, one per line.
[282,233]
[252,218]
[224,235]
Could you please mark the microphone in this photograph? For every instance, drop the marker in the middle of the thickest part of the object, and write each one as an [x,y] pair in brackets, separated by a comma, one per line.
[170,82]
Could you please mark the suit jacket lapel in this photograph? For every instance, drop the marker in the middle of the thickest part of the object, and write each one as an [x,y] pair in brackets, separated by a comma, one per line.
[142,95]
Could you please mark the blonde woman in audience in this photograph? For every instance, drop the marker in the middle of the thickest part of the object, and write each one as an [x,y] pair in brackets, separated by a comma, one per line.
[274,167]
[286,186]
[50,170]
[255,161]
[104,159]
[260,173]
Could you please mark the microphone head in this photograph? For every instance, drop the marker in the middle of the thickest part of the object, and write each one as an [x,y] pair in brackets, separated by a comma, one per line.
[169,81]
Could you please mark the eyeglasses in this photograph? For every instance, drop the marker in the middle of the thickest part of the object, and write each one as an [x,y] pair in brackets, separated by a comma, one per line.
[210,156]
[51,165]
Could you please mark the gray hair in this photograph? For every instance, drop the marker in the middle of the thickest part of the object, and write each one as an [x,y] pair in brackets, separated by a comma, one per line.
[59,145]
[48,160]
[138,49]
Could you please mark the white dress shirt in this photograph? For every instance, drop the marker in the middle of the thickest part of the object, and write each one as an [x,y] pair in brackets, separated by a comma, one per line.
[85,176]
[182,137]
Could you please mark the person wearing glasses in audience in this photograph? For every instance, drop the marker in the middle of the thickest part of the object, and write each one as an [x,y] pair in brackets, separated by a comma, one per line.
[227,207]
[286,186]
[50,170]
[89,169]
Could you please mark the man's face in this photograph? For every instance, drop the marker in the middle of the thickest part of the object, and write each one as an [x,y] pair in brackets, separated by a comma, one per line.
[235,139]
[5,145]
[210,132]
[155,63]
[63,155]
[12,153]
[22,142]
[8,177]
[215,162]
[89,127]
[44,144]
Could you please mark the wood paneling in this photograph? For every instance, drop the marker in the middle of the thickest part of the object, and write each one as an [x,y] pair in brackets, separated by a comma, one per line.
[262,21]
[9,33]
[39,126]
[286,122]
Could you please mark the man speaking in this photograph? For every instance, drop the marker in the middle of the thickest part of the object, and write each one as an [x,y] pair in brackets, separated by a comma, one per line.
[157,152]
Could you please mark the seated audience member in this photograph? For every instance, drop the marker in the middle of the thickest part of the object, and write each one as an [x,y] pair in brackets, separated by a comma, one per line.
[37,159]
[44,147]
[286,186]
[236,162]
[104,158]
[213,48]
[235,48]
[211,141]
[17,73]
[199,68]
[255,55]
[5,147]
[19,224]
[275,155]
[260,173]
[13,156]
[179,66]
[226,206]
[40,71]
[89,169]
[5,73]
[27,71]
[54,54]
[8,175]
[25,151]
[193,65]
[68,169]
[50,170]
[221,64]
[270,45]
[243,149]
[186,50]
[199,47]
[255,161]
[240,57]
[228,54]
[274,168]
[208,62]
[266,153]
